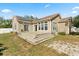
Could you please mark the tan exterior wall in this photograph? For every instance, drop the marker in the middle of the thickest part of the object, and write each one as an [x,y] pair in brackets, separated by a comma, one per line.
[56,20]
[15,25]
[30,28]
[61,27]
[68,28]
[21,27]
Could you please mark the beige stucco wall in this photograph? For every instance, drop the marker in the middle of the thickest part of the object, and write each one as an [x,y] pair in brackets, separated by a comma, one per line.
[61,27]
[21,27]
[30,28]
[15,24]
[56,20]
[68,28]
[18,26]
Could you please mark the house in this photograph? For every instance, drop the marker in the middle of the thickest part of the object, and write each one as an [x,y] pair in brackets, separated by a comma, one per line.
[52,24]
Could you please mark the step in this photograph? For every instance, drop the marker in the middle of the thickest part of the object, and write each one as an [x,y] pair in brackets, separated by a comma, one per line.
[35,39]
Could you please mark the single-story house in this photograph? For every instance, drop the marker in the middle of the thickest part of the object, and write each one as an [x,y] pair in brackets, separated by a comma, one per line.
[36,31]
[49,24]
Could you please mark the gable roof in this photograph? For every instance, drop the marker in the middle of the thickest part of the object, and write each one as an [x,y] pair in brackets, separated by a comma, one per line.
[47,18]
[50,17]
[68,19]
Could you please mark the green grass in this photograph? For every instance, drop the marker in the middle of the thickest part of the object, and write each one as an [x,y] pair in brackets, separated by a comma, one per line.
[13,43]
[65,38]
[18,47]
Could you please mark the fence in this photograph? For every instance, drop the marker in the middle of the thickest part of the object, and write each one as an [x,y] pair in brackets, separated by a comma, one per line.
[5,30]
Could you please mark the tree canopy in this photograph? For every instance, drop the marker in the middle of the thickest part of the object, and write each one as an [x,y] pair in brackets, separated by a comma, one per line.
[29,17]
[76,21]
[5,23]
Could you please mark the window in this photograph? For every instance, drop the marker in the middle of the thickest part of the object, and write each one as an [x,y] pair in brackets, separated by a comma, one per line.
[25,27]
[39,26]
[54,26]
[46,26]
[35,27]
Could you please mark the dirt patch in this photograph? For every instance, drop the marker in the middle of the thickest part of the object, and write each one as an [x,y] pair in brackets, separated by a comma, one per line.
[65,47]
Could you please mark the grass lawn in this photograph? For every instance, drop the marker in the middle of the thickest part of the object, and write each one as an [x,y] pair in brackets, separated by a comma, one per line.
[18,47]
[66,38]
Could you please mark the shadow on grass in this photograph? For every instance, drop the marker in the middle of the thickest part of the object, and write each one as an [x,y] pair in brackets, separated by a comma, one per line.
[2,49]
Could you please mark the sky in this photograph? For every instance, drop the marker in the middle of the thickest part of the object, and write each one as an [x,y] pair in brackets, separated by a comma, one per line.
[7,10]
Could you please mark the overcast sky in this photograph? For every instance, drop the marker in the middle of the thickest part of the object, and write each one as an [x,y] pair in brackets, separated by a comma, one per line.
[39,10]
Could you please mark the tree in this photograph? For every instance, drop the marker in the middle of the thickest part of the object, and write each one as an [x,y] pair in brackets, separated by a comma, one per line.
[5,23]
[8,23]
[29,17]
[75,21]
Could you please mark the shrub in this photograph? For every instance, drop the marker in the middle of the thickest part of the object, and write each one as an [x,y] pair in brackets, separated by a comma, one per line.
[11,32]
[62,33]
[14,33]
[74,33]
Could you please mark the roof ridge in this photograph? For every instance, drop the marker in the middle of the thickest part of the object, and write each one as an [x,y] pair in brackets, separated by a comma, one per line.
[56,14]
